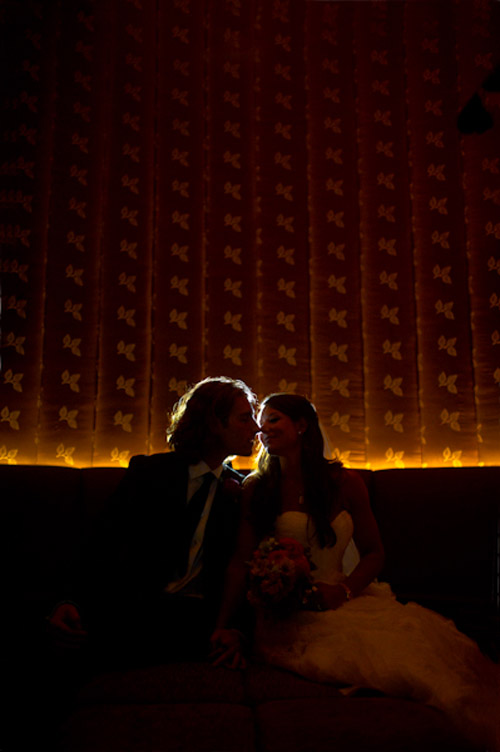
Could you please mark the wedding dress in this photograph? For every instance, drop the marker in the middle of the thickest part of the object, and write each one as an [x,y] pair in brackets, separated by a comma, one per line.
[376,642]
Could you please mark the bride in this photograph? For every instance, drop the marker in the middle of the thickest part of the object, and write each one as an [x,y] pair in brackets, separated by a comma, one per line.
[363,637]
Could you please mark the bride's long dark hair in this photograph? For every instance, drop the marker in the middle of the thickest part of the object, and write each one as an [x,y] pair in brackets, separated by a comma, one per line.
[321,476]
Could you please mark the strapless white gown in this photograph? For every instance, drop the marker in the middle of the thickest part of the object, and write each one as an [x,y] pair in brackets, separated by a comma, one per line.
[376,642]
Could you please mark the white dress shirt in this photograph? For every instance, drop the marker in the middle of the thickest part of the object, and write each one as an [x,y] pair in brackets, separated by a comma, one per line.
[188,583]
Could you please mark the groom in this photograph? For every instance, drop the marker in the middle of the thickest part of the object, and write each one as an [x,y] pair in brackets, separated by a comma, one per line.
[167,537]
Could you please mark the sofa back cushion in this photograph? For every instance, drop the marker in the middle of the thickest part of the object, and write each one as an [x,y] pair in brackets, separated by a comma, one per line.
[98,484]
[439,528]
[42,524]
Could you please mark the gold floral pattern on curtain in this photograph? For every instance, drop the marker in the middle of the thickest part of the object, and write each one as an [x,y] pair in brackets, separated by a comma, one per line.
[276,191]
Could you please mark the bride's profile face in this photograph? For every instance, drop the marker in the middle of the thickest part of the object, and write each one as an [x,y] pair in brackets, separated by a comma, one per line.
[278,432]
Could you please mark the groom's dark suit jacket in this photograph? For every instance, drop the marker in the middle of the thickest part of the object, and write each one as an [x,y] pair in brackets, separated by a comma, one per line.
[139,540]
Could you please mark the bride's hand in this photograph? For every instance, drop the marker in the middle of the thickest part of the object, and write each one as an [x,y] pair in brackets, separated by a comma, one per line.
[331,596]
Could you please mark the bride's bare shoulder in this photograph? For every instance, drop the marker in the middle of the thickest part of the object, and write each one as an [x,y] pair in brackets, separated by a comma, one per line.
[351,477]
[249,485]
[352,488]
[250,480]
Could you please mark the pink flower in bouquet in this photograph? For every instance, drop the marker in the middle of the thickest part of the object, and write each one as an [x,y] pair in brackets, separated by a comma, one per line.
[280,576]
[297,554]
[279,556]
[291,545]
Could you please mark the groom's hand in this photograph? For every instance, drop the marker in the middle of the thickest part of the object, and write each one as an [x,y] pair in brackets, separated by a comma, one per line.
[227,649]
[65,627]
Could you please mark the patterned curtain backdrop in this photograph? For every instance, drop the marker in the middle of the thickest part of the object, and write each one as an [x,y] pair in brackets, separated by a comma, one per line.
[335,281]
[229,208]
[277,191]
[282,304]
[387,294]
[70,320]
[448,418]
[28,83]
[178,293]
[478,26]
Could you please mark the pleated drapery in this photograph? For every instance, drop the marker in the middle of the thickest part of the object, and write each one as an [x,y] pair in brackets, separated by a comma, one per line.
[275,191]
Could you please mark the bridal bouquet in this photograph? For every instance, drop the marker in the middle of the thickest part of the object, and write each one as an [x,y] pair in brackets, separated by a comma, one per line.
[280,577]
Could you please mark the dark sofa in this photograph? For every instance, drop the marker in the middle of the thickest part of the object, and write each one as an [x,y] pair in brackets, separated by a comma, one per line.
[440,531]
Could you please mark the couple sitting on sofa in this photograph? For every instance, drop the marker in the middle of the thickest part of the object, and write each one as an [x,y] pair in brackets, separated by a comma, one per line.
[172,561]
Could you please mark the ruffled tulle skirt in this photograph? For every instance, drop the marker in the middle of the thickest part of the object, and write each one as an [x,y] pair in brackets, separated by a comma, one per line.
[401,650]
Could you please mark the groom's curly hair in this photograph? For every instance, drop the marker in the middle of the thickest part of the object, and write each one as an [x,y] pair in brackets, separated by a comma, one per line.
[191,420]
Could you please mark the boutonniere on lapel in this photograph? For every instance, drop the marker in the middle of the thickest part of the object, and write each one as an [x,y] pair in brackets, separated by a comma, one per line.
[231,487]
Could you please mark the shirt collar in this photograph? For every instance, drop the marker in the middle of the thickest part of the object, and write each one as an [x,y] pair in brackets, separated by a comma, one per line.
[196,471]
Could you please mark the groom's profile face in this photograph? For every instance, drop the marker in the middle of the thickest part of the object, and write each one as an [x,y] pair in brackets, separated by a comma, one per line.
[238,432]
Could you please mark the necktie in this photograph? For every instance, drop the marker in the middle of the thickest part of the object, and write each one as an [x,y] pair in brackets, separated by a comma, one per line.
[192,518]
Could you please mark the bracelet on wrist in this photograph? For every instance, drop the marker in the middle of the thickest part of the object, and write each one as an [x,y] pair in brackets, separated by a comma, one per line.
[347,590]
